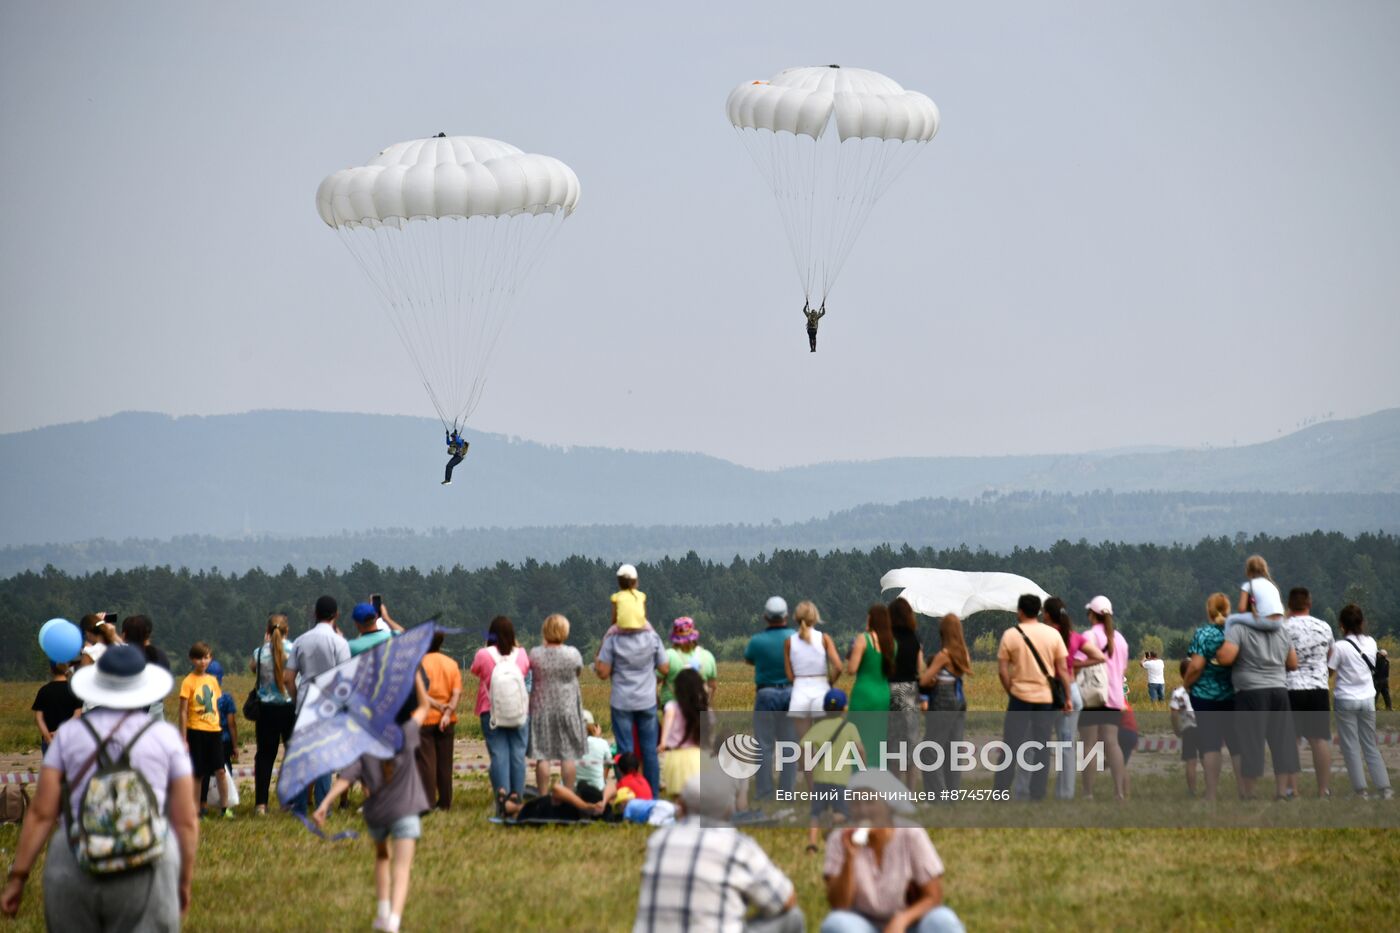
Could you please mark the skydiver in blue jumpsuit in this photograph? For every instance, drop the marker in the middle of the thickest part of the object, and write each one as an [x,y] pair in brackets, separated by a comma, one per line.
[456,450]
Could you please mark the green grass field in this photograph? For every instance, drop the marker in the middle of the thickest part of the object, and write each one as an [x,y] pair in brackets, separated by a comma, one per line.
[257,874]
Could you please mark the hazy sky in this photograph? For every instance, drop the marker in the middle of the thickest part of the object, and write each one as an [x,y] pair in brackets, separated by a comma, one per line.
[1166,223]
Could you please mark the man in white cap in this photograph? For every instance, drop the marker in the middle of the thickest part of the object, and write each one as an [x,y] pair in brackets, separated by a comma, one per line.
[700,874]
[772,695]
[872,870]
[120,687]
[631,656]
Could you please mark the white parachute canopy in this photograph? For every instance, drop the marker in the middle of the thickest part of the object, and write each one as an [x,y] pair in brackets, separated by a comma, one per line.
[829,141]
[448,228]
[936,593]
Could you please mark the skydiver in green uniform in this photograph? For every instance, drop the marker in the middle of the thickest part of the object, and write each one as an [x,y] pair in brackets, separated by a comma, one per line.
[813,318]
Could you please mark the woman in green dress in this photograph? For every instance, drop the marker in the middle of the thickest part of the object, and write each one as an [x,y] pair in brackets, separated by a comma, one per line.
[872,662]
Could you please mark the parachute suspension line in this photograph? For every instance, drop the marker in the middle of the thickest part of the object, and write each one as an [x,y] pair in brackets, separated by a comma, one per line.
[864,171]
[825,189]
[356,239]
[395,243]
[790,173]
[447,279]
[452,329]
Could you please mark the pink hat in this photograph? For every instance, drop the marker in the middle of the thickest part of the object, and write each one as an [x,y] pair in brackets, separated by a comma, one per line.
[1100,605]
[683,631]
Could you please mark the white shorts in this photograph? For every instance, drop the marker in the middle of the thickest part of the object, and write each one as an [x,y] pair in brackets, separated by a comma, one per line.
[808,695]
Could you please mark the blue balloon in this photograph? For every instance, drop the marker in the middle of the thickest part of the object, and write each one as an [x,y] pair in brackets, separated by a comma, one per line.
[61,640]
[48,625]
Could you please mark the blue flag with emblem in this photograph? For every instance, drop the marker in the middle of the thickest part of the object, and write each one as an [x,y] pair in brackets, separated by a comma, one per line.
[349,711]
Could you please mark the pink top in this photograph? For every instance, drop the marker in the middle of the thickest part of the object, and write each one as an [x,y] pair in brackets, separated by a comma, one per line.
[675,736]
[882,890]
[1116,662]
[482,666]
[1076,652]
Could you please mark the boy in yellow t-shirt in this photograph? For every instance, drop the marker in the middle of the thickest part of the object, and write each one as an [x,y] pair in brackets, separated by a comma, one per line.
[199,722]
[629,604]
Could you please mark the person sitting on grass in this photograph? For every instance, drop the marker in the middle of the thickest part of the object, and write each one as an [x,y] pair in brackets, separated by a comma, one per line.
[199,722]
[395,803]
[701,875]
[831,774]
[629,776]
[593,766]
[884,875]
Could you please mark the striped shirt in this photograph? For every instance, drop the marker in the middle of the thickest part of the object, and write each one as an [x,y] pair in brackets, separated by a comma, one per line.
[701,876]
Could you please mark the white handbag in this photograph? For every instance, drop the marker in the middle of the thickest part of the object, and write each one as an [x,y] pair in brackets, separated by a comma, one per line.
[1093,685]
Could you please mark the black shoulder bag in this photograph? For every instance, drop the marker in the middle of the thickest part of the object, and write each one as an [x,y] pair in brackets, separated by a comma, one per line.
[1363,656]
[1057,689]
[253,705]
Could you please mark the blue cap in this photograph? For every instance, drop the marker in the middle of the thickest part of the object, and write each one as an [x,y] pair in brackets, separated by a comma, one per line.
[834,701]
[363,612]
[215,670]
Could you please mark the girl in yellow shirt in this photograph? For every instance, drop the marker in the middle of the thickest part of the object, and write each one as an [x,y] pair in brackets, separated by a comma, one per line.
[629,604]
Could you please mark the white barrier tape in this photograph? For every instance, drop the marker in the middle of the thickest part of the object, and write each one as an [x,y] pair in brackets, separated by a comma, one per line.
[245,772]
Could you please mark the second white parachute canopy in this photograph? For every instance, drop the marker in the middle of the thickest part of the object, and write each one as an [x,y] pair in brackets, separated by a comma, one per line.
[866,103]
[827,183]
[934,592]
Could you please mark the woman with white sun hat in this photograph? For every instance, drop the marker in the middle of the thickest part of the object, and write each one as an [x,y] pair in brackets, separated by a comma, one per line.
[148,886]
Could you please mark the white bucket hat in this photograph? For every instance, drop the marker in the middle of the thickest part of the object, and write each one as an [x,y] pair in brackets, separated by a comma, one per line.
[121,679]
[627,571]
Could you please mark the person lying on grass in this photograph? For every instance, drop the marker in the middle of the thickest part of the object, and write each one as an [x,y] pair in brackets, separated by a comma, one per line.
[562,805]
[396,799]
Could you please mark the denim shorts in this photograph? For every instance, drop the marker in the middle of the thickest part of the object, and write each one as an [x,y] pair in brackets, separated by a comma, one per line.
[405,827]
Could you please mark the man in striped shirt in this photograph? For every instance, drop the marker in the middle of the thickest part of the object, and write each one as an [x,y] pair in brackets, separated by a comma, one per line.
[702,875]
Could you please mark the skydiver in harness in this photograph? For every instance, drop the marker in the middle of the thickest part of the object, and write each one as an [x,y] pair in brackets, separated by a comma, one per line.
[456,450]
[813,318]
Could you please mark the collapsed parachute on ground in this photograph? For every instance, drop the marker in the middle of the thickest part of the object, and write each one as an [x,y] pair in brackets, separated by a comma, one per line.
[448,228]
[934,592]
[829,141]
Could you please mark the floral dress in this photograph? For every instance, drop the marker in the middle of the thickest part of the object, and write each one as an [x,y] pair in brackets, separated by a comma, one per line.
[556,707]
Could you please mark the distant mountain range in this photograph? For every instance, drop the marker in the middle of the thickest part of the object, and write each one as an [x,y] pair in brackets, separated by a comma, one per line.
[302,475]
[994,522]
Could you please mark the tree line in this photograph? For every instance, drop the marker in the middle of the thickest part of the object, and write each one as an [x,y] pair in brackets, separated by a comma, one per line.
[1157,591]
